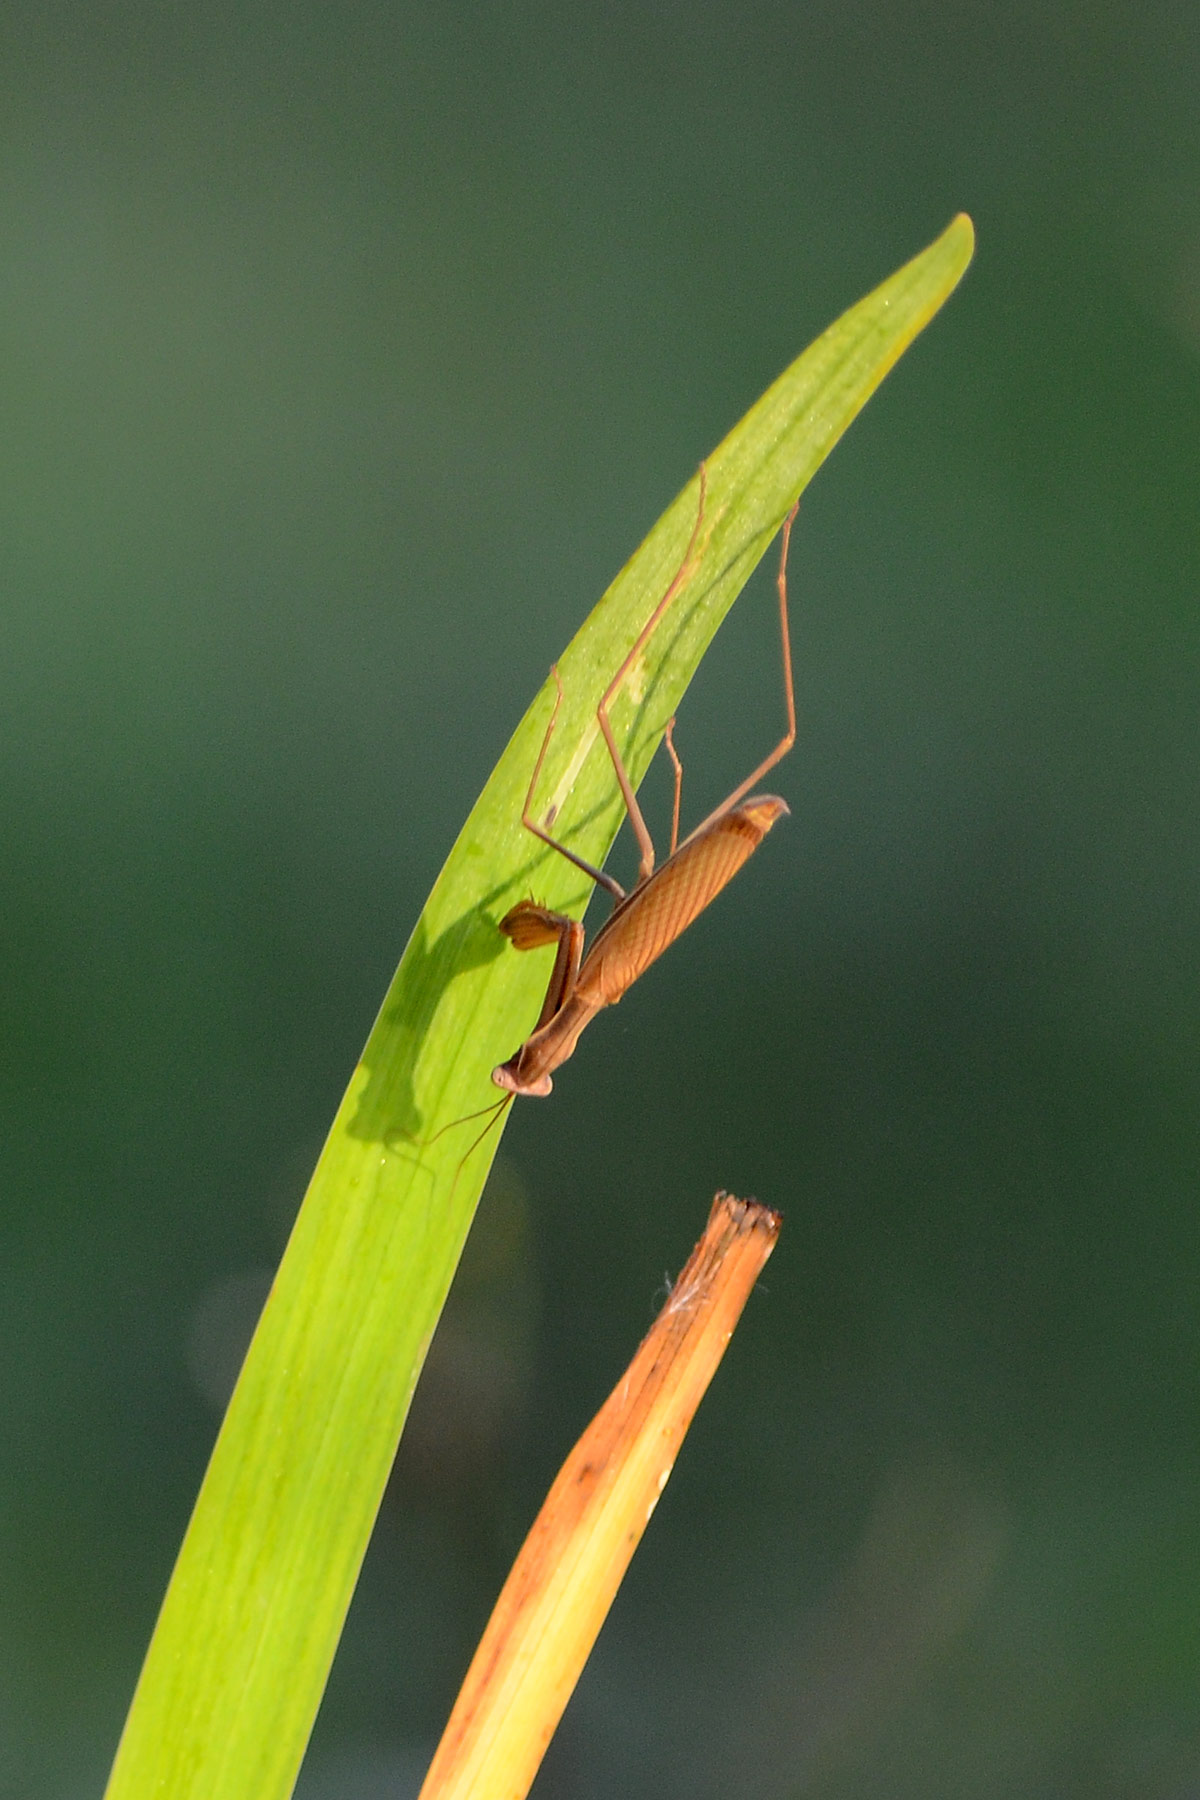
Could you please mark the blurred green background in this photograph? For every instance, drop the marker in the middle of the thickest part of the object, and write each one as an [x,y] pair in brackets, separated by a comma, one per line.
[345,354]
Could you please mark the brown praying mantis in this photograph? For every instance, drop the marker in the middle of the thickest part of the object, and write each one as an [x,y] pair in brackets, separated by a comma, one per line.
[664,900]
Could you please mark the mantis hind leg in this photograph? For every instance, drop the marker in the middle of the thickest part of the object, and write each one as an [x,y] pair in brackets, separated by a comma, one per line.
[678,581]
[789,737]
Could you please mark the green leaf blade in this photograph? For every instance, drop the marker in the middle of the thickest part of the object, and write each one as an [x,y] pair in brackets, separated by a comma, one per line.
[251,1619]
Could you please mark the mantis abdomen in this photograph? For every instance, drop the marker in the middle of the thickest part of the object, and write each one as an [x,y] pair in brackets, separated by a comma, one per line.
[655,914]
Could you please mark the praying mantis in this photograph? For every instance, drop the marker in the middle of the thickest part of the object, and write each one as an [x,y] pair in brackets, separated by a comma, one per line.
[665,899]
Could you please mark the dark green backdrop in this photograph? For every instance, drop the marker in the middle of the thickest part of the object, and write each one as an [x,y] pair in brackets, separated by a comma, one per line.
[345,354]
